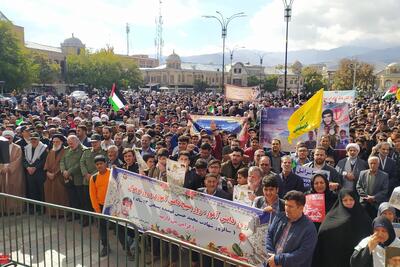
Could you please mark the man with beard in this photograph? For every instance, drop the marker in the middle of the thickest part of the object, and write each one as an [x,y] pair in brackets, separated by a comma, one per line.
[107,138]
[12,178]
[88,168]
[35,158]
[335,179]
[130,140]
[81,132]
[54,188]
[351,166]
[71,171]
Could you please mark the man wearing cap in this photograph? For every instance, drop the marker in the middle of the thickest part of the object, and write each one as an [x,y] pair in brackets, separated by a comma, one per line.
[12,177]
[71,170]
[88,167]
[35,158]
[351,166]
[98,185]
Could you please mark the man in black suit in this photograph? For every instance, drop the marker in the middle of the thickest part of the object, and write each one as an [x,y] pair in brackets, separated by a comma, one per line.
[387,165]
[211,187]
[288,180]
[351,166]
[372,187]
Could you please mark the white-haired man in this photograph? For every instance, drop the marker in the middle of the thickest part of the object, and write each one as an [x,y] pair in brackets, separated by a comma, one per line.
[71,170]
[351,166]
[372,186]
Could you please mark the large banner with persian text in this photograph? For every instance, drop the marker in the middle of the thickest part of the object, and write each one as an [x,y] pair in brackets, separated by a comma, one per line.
[223,226]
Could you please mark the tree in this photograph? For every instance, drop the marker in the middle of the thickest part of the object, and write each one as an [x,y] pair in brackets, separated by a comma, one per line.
[16,68]
[102,69]
[45,70]
[199,85]
[270,83]
[313,80]
[343,78]
[253,81]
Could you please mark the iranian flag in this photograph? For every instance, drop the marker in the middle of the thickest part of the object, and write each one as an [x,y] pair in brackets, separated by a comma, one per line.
[390,93]
[116,99]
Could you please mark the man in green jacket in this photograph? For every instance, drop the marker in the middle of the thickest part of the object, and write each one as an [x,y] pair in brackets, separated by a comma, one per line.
[88,168]
[71,170]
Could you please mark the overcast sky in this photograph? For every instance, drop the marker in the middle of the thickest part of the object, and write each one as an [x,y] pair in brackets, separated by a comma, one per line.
[319,24]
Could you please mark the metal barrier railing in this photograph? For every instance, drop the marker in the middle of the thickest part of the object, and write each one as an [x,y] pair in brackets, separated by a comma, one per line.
[36,233]
[182,254]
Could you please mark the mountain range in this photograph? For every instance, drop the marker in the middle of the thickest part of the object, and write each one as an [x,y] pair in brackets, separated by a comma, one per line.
[379,57]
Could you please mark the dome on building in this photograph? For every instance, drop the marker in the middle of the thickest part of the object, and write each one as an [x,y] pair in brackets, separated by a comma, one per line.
[72,42]
[394,64]
[173,61]
[173,58]
[393,68]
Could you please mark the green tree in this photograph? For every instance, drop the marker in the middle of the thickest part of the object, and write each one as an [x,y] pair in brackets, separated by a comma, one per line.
[270,83]
[16,68]
[313,80]
[102,69]
[200,86]
[343,78]
[253,81]
[45,70]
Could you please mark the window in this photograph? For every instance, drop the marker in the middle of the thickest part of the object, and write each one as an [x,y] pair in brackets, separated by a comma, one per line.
[183,78]
[171,79]
[234,70]
[240,70]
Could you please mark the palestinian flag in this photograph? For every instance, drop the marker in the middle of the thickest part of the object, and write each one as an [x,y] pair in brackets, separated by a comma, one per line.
[116,99]
[390,93]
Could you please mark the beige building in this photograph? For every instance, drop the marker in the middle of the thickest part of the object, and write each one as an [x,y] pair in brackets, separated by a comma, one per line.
[240,72]
[70,46]
[175,74]
[388,77]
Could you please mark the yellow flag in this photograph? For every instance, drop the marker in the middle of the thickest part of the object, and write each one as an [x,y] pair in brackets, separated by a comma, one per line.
[398,94]
[307,117]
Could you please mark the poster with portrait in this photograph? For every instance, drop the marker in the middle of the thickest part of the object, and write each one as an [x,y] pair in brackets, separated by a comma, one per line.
[274,125]
[335,123]
[175,172]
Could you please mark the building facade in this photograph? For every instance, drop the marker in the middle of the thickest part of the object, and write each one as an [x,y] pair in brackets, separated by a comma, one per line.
[239,74]
[389,76]
[174,74]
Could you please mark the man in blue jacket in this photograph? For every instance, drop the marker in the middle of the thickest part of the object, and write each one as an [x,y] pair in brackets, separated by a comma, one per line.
[292,236]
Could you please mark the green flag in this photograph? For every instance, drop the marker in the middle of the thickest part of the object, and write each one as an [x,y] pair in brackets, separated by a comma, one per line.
[19,121]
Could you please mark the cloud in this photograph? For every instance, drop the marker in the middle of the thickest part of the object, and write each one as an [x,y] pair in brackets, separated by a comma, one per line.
[322,24]
[96,22]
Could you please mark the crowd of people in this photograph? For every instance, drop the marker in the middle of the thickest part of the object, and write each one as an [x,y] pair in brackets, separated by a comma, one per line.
[58,144]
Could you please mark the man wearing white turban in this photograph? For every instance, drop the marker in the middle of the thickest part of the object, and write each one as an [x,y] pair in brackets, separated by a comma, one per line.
[351,166]
[12,177]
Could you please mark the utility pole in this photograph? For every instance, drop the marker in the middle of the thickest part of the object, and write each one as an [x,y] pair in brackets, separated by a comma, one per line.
[158,41]
[127,39]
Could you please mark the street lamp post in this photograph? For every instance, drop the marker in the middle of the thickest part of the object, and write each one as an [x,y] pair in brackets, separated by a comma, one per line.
[354,65]
[261,66]
[231,58]
[288,14]
[224,27]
